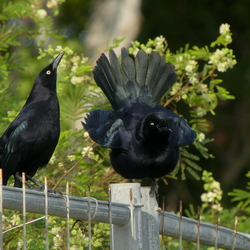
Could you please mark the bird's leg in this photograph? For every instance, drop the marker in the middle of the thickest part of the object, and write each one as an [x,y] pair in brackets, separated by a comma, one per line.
[131,180]
[154,190]
[40,187]
[32,187]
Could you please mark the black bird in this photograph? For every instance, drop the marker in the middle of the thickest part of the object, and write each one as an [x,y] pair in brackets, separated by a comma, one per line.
[144,136]
[30,140]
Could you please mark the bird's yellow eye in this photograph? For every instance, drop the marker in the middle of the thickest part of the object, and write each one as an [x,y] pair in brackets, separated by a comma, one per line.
[48,72]
[151,124]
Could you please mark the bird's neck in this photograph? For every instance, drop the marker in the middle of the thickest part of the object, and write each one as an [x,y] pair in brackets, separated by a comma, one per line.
[41,93]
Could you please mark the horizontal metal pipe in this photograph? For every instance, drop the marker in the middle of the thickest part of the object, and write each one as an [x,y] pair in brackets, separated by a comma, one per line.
[225,236]
[78,208]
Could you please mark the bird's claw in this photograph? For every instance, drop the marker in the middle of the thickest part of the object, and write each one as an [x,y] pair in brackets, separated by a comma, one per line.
[54,193]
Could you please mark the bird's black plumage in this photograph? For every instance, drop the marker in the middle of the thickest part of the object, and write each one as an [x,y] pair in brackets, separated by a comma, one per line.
[144,136]
[30,140]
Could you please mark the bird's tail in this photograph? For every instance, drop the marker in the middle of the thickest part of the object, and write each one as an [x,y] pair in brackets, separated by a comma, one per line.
[144,79]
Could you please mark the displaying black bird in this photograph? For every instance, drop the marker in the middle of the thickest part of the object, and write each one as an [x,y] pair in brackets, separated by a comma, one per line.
[144,136]
[30,140]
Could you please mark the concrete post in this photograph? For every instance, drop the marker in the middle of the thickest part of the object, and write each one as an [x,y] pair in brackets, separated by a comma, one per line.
[128,236]
[150,221]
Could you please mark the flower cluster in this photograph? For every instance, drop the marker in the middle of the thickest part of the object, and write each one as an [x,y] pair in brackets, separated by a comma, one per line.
[225,32]
[159,44]
[214,193]
[222,59]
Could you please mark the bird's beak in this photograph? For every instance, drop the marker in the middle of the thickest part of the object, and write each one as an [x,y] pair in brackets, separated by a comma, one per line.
[162,126]
[57,60]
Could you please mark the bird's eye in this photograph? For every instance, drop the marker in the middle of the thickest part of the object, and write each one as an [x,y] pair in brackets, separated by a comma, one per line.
[151,124]
[48,72]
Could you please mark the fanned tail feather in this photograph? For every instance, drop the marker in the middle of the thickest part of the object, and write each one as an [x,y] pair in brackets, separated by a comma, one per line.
[145,79]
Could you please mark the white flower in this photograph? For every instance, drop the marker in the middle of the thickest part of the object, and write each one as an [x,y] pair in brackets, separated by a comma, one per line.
[179,59]
[201,137]
[41,13]
[216,56]
[191,66]
[76,79]
[215,185]
[222,67]
[71,157]
[159,40]
[203,87]
[15,219]
[75,59]
[224,28]
[200,111]
[211,196]
[148,50]
[51,3]
[136,50]
[86,135]
[193,78]
[229,39]
[58,48]
[217,207]
[84,60]
[204,197]
[87,151]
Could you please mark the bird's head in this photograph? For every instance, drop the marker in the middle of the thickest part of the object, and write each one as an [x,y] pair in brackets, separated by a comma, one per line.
[155,127]
[47,77]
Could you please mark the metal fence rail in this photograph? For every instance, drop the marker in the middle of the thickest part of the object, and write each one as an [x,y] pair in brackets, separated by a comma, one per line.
[135,217]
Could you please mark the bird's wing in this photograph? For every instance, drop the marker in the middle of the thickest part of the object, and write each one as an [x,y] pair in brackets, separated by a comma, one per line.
[13,144]
[103,128]
[181,134]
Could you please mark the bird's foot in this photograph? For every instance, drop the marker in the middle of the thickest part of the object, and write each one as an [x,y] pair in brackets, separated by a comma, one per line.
[41,187]
[54,193]
[154,190]
[38,186]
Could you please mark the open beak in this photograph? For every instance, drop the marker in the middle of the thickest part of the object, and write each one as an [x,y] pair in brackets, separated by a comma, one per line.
[57,60]
[162,126]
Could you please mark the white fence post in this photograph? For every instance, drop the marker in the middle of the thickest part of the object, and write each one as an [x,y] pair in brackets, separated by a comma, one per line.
[128,236]
[150,221]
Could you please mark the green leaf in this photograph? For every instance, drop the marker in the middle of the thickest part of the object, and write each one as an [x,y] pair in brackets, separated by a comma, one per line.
[3,17]
[192,164]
